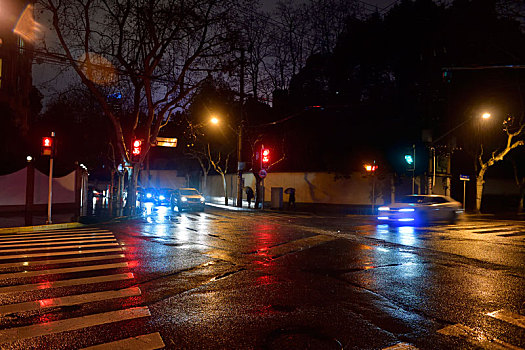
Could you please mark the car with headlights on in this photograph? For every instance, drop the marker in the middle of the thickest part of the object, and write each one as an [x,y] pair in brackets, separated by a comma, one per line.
[164,196]
[421,209]
[187,198]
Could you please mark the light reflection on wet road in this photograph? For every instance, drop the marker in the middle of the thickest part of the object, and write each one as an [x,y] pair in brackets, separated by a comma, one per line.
[268,280]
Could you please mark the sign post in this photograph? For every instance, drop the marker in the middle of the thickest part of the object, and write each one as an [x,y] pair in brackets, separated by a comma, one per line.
[464,178]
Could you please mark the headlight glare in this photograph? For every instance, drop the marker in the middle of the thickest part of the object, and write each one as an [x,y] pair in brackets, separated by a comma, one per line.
[383,208]
[184,199]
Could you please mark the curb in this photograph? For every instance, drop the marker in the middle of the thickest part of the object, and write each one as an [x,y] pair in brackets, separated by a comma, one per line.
[22,229]
[65,225]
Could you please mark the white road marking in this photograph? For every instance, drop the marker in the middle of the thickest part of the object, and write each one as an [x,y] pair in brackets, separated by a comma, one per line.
[142,342]
[32,235]
[469,334]
[59,240]
[71,324]
[69,252]
[56,248]
[4,276]
[65,283]
[61,261]
[401,346]
[53,242]
[68,300]
[509,317]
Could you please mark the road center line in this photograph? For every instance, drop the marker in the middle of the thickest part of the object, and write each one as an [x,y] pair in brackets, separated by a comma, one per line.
[61,261]
[65,283]
[69,252]
[142,342]
[64,270]
[509,317]
[26,332]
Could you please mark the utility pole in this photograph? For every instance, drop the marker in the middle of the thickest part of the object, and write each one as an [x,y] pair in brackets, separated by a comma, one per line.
[240,163]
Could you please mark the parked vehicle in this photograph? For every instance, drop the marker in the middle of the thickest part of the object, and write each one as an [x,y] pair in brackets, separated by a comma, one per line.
[421,209]
[187,198]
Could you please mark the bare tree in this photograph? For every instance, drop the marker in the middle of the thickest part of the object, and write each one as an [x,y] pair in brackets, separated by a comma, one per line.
[220,164]
[513,132]
[153,52]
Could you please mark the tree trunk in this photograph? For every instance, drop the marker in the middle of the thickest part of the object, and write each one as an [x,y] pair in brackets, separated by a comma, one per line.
[224,186]
[204,184]
[479,187]
[522,195]
[131,202]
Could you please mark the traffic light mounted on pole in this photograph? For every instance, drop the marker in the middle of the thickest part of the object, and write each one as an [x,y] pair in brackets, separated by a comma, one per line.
[48,146]
[265,158]
[136,150]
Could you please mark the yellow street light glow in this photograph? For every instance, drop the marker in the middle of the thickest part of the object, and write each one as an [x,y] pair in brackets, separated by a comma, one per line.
[485,116]
[214,120]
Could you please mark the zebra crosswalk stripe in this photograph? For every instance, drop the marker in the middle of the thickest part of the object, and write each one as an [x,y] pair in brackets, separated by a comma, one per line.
[509,317]
[68,300]
[64,270]
[68,252]
[65,283]
[80,246]
[142,342]
[20,333]
[68,240]
[61,261]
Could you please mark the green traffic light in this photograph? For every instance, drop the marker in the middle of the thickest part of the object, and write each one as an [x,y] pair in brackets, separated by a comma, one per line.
[409,159]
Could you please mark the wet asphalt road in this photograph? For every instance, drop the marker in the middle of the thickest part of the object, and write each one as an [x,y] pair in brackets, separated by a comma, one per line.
[264,280]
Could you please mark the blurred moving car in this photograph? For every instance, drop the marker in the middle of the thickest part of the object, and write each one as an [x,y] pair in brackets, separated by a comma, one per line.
[187,198]
[421,209]
[148,195]
[164,195]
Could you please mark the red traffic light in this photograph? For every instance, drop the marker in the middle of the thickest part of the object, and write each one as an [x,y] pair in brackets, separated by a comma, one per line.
[47,146]
[136,149]
[265,155]
[47,141]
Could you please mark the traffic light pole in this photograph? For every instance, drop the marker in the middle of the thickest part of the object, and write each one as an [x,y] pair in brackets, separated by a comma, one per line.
[50,191]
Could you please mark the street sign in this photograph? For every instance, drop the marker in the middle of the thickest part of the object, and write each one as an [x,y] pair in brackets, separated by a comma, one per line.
[464,177]
[262,173]
[167,141]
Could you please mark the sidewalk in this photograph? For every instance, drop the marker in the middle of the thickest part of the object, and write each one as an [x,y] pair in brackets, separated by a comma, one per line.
[16,223]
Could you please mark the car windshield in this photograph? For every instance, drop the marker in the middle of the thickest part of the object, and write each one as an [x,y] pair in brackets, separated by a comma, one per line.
[189,192]
[422,200]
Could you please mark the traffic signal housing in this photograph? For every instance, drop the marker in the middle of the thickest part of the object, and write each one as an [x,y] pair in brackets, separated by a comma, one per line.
[136,150]
[48,146]
[265,158]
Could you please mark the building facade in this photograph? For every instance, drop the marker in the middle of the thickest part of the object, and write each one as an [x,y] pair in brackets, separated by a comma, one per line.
[16,57]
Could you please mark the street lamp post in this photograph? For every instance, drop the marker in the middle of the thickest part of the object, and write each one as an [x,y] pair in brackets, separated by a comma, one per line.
[240,163]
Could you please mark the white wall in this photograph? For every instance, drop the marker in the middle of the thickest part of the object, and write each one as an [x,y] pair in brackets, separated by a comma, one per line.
[311,187]
[162,179]
[13,188]
[63,188]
